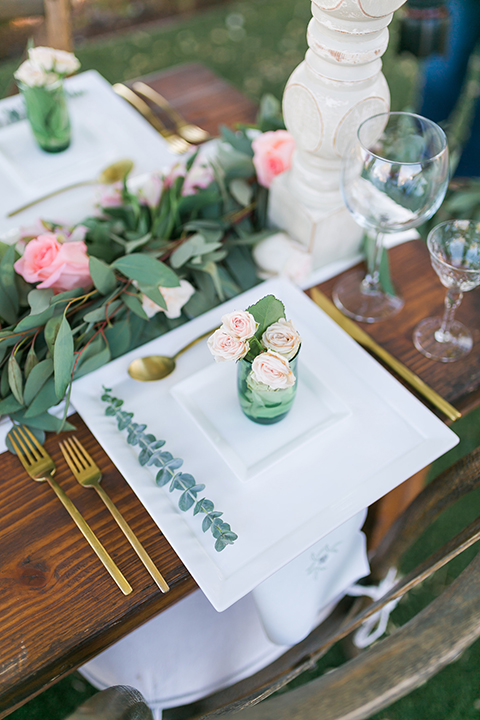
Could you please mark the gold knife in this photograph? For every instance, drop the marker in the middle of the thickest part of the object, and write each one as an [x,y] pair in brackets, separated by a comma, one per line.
[369,343]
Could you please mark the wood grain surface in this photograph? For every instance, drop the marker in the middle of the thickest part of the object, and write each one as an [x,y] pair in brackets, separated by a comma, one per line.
[58,606]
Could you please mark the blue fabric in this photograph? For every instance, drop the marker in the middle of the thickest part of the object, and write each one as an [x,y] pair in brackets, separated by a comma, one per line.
[443,77]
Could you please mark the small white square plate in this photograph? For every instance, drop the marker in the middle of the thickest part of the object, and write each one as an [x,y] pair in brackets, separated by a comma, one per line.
[210,396]
[323,481]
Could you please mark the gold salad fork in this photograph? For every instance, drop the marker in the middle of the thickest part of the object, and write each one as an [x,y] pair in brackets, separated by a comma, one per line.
[189,131]
[40,466]
[176,143]
[88,474]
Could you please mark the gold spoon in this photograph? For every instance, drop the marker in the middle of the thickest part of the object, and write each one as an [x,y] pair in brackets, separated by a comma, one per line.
[157,367]
[111,174]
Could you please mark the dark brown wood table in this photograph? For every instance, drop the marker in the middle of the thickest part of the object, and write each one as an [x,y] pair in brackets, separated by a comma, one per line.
[58,606]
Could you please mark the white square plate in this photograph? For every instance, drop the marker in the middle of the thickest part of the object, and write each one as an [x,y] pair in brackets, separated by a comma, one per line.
[288,505]
[210,396]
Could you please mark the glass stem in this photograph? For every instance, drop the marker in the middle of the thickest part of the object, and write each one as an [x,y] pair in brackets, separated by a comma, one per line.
[453,298]
[371,281]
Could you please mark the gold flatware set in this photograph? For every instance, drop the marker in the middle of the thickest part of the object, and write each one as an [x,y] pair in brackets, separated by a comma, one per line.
[41,468]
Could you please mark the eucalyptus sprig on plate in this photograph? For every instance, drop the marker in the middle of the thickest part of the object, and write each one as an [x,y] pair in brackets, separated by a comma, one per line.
[151,453]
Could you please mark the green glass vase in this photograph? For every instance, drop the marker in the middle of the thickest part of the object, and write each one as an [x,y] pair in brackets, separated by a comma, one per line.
[47,113]
[259,402]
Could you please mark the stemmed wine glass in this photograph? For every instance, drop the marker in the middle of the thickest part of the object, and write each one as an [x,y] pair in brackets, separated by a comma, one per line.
[454,248]
[394,177]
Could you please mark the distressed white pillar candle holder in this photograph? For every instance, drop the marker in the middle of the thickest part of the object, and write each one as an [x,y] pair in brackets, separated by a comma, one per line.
[338,85]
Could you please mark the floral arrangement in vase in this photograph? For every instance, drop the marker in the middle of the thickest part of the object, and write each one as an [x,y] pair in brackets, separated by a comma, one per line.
[40,80]
[266,345]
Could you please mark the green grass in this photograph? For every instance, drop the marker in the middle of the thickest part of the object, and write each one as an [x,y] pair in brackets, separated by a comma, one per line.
[255,45]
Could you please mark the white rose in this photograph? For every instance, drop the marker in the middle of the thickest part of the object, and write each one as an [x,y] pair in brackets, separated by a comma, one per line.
[30,74]
[59,61]
[240,324]
[224,346]
[278,254]
[283,338]
[175,298]
[273,370]
[43,57]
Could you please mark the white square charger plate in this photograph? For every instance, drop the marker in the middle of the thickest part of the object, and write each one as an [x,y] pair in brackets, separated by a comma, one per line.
[378,435]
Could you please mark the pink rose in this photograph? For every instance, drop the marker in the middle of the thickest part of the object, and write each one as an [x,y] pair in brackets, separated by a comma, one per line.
[54,265]
[272,155]
[283,338]
[241,324]
[273,370]
[224,346]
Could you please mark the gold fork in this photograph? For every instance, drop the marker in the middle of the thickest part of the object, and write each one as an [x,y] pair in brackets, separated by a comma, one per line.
[176,143]
[88,474]
[40,466]
[192,133]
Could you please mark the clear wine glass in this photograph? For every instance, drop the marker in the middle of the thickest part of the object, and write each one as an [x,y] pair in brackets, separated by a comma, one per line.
[394,177]
[454,248]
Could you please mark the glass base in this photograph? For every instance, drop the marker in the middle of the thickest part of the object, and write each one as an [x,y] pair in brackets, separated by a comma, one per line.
[367,306]
[55,148]
[454,346]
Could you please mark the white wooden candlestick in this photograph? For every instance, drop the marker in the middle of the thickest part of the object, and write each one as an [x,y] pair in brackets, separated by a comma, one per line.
[338,85]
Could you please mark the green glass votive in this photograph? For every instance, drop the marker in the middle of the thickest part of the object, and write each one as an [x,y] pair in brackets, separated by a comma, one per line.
[261,403]
[47,113]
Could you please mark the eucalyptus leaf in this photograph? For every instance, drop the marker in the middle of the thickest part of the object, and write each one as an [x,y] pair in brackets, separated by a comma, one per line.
[9,405]
[15,379]
[37,379]
[63,358]
[102,275]
[241,191]
[39,300]
[45,399]
[51,331]
[7,277]
[152,292]
[143,268]
[133,303]
[31,361]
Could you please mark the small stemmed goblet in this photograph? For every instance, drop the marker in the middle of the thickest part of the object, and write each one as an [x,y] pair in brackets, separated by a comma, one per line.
[454,248]
[394,177]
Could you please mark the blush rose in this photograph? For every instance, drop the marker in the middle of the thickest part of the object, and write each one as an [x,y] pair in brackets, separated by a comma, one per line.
[272,155]
[54,265]
[273,370]
[283,338]
[224,347]
[240,323]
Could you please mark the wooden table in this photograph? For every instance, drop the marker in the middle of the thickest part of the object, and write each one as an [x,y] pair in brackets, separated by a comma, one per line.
[58,606]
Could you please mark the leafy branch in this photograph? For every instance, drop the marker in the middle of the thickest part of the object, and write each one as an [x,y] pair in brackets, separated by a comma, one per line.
[151,453]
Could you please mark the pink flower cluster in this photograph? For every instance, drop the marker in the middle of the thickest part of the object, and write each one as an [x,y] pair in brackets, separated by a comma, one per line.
[60,266]
[230,341]
[280,340]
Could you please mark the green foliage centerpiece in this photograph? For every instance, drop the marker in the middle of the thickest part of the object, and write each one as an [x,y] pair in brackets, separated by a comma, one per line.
[266,345]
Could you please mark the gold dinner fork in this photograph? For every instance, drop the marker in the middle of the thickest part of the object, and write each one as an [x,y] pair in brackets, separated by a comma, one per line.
[189,131]
[88,474]
[40,466]
[176,143]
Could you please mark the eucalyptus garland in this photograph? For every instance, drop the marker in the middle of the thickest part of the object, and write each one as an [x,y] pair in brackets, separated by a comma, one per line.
[151,453]
[134,248]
